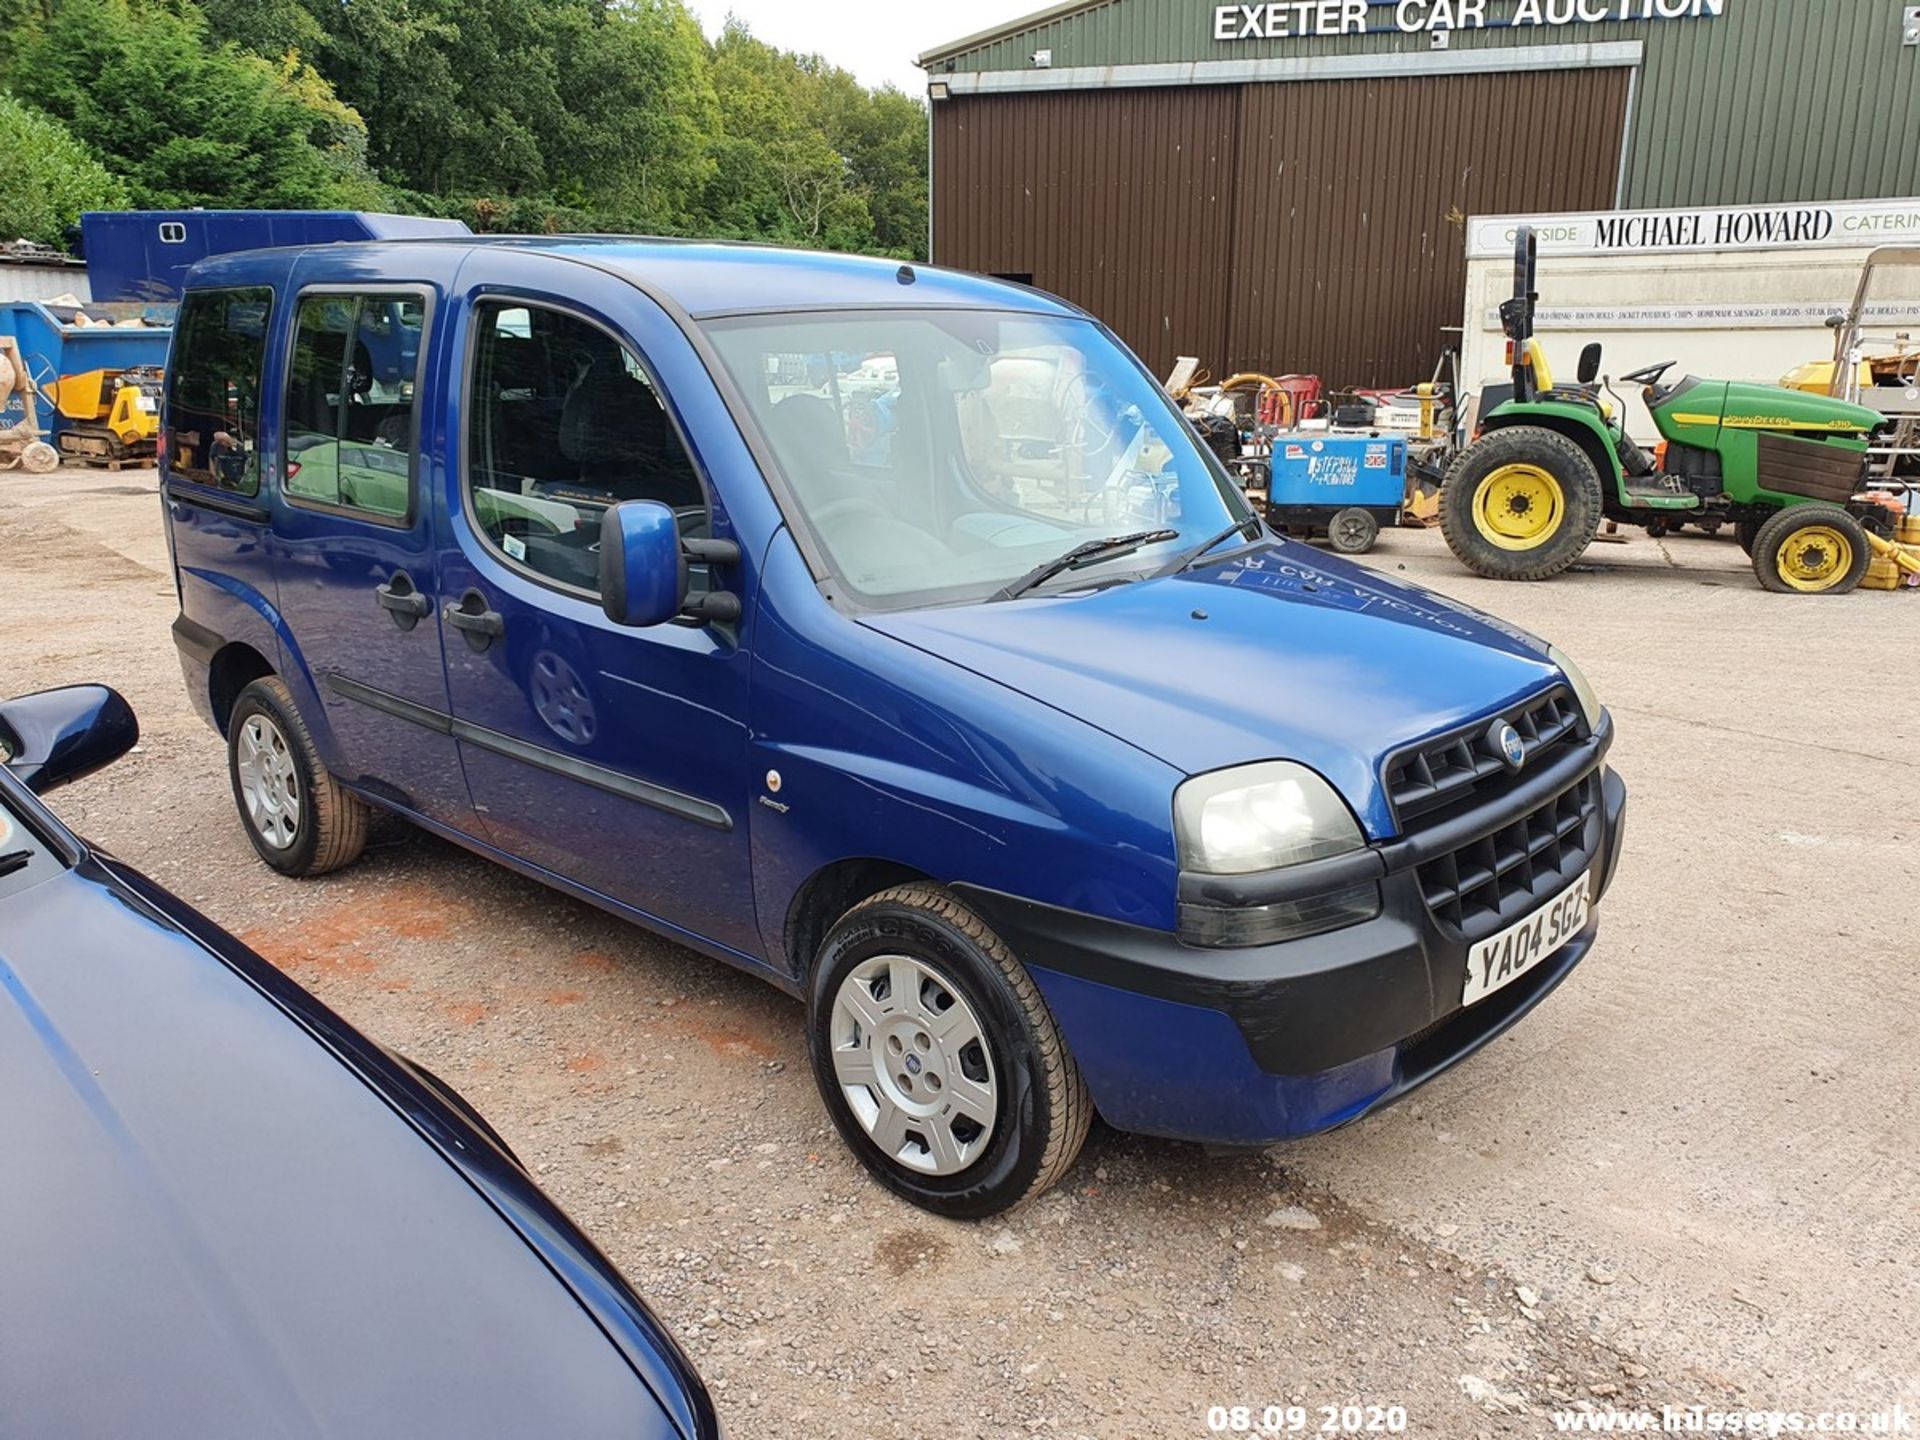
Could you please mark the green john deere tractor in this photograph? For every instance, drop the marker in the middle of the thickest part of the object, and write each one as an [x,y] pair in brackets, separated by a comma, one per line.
[1526,497]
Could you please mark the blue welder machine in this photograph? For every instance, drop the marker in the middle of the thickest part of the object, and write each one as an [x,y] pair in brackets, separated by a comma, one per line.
[1339,485]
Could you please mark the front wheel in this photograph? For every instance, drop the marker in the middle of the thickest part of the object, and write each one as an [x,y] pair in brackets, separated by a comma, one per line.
[1352,531]
[938,1059]
[1522,503]
[1811,550]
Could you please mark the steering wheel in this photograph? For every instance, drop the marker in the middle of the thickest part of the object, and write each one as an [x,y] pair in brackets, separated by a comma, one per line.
[1085,433]
[1650,374]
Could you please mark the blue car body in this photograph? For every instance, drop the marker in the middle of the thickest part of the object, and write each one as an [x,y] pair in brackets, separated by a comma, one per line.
[737,786]
[226,1212]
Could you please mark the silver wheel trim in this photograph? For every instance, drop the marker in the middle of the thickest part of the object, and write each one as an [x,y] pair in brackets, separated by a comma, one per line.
[914,1064]
[269,781]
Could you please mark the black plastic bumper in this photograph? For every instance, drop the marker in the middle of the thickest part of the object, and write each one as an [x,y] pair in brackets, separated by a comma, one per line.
[1309,1005]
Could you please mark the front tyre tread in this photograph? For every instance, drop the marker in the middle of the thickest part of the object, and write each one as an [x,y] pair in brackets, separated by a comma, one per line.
[1066,1108]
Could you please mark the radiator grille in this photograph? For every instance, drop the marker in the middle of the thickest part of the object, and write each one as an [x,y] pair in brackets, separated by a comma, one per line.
[1465,768]
[1492,882]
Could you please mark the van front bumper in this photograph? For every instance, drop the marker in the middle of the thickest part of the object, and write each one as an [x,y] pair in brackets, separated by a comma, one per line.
[1273,1042]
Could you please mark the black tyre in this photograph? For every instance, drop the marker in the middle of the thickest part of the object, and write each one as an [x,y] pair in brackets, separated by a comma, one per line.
[938,1059]
[299,818]
[1745,531]
[1660,525]
[1352,531]
[1811,550]
[1520,504]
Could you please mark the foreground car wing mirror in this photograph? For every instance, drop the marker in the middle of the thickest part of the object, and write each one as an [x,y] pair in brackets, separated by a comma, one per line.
[643,568]
[55,736]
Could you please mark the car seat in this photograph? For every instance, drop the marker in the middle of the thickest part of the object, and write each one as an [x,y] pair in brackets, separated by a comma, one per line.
[619,438]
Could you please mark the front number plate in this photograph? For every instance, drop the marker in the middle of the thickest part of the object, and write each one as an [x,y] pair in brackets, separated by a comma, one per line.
[1501,959]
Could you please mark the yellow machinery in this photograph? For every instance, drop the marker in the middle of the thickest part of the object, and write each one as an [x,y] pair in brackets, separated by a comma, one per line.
[114,415]
[1881,372]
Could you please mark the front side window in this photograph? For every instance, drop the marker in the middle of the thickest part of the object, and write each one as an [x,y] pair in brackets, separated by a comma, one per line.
[350,402]
[563,422]
[213,388]
[937,455]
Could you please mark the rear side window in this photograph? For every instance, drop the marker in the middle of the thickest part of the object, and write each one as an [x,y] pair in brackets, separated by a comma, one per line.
[564,422]
[350,424]
[213,388]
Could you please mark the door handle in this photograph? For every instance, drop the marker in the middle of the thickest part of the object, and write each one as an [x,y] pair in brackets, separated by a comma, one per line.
[471,616]
[402,601]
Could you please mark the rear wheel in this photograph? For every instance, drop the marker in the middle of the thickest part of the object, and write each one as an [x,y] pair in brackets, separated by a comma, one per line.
[1811,550]
[1353,531]
[1521,504]
[300,819]
[1745,531]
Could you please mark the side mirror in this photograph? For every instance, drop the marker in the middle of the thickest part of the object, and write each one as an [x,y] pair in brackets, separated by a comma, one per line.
[59,735]
[1589,370]
[643,569]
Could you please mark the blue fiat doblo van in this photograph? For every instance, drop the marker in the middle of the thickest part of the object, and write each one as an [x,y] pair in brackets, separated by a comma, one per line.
[886,632]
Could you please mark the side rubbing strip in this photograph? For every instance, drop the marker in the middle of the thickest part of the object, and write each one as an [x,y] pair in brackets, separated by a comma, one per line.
[397,705]
[687,807]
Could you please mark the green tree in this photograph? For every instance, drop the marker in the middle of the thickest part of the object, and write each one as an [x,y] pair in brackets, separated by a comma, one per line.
[509,114]
[806,155]
[186,121]
[886,145]
[584,105]
[47,177]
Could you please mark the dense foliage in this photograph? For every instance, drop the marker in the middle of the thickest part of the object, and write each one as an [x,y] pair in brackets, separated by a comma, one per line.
[47,177]
[508,114]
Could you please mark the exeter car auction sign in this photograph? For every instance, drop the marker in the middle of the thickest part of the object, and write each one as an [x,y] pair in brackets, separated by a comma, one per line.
[1836,225]
[1282,19]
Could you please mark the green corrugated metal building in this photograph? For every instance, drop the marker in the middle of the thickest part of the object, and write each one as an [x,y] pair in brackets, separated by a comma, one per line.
[1285,185]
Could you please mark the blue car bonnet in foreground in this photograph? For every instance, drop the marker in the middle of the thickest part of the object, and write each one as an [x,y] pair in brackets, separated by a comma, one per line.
[227,1213]
[886,632]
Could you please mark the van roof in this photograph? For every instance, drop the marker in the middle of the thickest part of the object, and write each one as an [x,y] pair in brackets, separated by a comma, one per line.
[702,277]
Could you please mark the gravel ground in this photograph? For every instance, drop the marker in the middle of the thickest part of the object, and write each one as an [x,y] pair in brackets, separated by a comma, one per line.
[1686,1179]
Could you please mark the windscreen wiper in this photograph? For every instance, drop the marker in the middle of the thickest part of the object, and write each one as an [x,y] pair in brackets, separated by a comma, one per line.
[1110,548]
[14,860]
[1187,558]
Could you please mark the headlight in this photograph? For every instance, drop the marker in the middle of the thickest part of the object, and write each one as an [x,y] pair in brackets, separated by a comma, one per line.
[1260,817]
[1582,687]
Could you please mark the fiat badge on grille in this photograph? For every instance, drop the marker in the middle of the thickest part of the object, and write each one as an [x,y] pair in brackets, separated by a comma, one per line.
[1507,742]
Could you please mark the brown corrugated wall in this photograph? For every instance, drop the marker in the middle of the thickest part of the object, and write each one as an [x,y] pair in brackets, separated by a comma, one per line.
[1115,199]
[1311,226]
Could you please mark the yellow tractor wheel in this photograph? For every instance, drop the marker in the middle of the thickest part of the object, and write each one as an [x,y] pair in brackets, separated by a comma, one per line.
[1811,550]
[1520,504]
